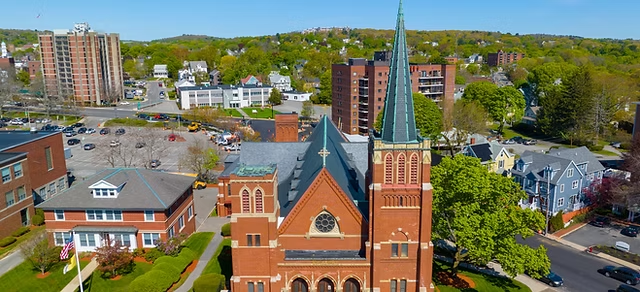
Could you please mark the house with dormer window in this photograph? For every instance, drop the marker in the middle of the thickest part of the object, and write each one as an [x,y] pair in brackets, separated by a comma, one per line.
[491,154]
[562,175]
[137,207]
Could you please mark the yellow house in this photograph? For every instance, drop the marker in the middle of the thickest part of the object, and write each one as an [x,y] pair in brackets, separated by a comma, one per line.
[493,155]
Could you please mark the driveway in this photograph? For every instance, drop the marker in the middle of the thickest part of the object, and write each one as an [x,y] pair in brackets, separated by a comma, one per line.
[591,235]
[11,261]
[204,201]
[288,106]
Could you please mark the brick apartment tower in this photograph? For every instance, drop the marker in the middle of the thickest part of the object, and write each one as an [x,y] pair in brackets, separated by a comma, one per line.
[501,58]
[82,65]
[286,128]
[359,88]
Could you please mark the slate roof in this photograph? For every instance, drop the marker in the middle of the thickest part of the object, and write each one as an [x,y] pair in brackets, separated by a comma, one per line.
[487,151]
[12,139]
[276,78]
[536,164]
[142,190]
[399,124]
[194,64]
[580,155]
[159,67]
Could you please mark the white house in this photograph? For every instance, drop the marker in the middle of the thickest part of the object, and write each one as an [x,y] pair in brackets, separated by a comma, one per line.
[198,66]
[160,71]
[282,83]
[296,96]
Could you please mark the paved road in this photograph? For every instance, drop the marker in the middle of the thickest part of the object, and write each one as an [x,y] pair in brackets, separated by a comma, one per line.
[591,235]
[578,269]
[153,91]
[11,261]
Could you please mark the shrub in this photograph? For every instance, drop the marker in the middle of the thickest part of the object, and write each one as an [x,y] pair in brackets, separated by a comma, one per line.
[40,212]
[162,260]
[595,147]
[21,231]
[556,223]
[138,252]
[179,263]
[152,255]
[114,260]
[7,241]
[171,246]
[37,220]
[170,270]
[226,229]
[152,281]
[188,254]
[209,282]
[626,145]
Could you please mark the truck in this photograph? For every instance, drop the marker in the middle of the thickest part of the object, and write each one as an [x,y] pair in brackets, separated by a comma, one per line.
[194,126]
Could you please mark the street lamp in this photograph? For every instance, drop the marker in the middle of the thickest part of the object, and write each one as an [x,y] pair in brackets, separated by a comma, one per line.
[548,170]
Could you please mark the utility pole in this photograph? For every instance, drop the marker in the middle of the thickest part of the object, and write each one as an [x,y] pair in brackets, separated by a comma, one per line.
[548,171]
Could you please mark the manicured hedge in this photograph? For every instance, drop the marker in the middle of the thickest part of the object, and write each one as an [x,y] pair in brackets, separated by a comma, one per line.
[171,271]
[21,231]
[188,254]
[7,241]
[226,229]
[37,220]
[153,281]
[152,255]
[209,283]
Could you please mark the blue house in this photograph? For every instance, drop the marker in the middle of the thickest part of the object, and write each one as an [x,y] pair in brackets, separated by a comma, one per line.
[567,173]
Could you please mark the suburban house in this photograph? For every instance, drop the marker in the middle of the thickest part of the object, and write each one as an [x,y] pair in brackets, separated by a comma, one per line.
[251,80]
[215,77]
[160,71]
[137,207]
[282,83]
[491,154]
[296,95]
[198,66]
[33,169]
[225,96]
[183,83]
[567,173]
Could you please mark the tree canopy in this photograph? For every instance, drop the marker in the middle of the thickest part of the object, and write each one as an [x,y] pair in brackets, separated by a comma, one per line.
[502,103]
[478,212]
[428,117]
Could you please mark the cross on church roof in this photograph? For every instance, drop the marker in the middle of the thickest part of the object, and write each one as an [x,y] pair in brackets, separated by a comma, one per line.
[323,152]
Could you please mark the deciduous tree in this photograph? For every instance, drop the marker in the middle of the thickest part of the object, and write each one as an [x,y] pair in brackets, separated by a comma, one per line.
[468,117]
[325,94]
[275,98]
[39,254]
[199,158]
[477,211]
[308,110]
[114,259]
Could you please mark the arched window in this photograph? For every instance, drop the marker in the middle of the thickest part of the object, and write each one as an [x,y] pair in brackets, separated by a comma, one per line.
[299,285]
[258,199]
[401,167]
[414,169]
[351,285]
[246,207]
[388,169]
[325,285]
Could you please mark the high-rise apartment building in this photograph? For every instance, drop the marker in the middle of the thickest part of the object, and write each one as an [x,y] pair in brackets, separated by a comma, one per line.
[359,88]
[82,65]
[501,58]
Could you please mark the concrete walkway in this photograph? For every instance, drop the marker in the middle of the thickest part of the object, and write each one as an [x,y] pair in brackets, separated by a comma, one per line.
[598,254]
[212,224]
[534,285]
[244,115]
[86,272]
[11,260]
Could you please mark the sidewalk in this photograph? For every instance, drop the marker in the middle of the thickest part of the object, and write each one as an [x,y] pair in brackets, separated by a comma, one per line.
[534,285]
[598,254]
[86,272]
[202,263]
[244,115]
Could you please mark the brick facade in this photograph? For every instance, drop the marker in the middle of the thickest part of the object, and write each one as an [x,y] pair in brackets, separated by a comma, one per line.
[18,213]
[286,127]
[501,58]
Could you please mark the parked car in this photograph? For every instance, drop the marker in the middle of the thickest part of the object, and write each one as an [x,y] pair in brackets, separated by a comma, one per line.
[171,137]
[600,221]
[2,125]
[626,288]
[89,146]
[143,116]
[73,141]
[140,144]
[232,148]
[616,144]
[78,125]
[530,142]
[508,142]
[114,143]
[631,231]
[120,131]
[124,103]
[105,131]
[71,134]
[624,274]
[16,122]
[154,163]
[552,279]
[82,130]
[162,93]
[91,131]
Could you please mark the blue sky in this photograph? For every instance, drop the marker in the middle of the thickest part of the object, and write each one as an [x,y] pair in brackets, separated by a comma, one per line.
[148,20]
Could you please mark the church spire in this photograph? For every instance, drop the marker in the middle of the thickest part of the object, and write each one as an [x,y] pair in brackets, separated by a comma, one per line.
[398,122]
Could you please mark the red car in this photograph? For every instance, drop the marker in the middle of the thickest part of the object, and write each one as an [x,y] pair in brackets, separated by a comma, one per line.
[172,137]
[160,84]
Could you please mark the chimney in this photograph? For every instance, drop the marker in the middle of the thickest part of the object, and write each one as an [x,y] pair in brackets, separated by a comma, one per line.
[287,127]
[473,141]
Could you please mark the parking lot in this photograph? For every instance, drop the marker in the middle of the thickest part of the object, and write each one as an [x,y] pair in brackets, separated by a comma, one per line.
[85,163]
[608,235]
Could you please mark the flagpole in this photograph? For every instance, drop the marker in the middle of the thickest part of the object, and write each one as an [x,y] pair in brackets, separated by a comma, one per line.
[78,262]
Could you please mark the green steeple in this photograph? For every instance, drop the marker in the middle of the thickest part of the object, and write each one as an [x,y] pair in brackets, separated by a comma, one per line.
[398,122]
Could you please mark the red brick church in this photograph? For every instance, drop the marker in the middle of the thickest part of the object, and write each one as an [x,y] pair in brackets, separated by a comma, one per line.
[330,215]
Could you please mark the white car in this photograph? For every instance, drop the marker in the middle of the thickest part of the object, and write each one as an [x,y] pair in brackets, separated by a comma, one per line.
[124,103]
[114,144]
[232,148]
[91,131]
[16,122]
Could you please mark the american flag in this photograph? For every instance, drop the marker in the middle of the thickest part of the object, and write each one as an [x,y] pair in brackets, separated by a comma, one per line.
[64,254]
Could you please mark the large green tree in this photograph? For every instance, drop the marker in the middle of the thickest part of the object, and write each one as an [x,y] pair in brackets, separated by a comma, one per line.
[467,117]
[502,103]
[477,211]
[325,94]
[427,114]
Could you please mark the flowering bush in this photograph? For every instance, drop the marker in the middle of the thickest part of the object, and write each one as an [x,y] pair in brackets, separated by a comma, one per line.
[171,246]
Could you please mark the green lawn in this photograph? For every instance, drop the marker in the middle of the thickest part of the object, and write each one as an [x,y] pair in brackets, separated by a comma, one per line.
[214,213]
[215,266]
[34,230]
[198,242]
[127,122]
[606,153]
[95,283]
[261,113]
[483,282]
[233,112]
[23,278]
[509,133]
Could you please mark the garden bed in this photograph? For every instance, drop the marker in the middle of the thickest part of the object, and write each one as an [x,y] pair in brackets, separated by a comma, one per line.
[623,255]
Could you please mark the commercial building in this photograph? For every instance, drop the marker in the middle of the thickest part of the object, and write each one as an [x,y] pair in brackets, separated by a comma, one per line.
[33,169]
[82,65]
[327,214]
[137,207]
[501,58]
[224,96]
[359,88]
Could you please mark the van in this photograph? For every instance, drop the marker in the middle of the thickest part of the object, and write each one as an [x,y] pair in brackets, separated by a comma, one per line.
[622,246]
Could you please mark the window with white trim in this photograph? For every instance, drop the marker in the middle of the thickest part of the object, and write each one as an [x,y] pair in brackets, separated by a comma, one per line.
[60,238]
[560,202]
[87,239]
[149,215]
[104,215]
[570,172]
[61,184]
[59,215]
[10,198]
[190,211]
[562,188]
[150,239]
[180,222]
[6,175]
[17,170]
[123,238]
[574,184]
[105,193]
[171,231]
[22,193]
